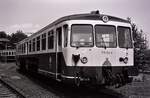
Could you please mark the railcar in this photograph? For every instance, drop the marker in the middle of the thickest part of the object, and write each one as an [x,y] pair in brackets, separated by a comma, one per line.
[88,48]
[7,55]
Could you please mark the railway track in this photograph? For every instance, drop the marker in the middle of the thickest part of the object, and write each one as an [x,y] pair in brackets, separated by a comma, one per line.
[6,91]
[39,86]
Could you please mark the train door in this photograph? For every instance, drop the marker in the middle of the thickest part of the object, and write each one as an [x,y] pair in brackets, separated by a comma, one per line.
[58,53]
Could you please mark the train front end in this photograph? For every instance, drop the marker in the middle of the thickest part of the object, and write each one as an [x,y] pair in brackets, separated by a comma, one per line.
[98,52]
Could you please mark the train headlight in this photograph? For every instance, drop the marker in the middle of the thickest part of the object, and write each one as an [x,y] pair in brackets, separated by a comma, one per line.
[105,19]
[84,60]
[125,60]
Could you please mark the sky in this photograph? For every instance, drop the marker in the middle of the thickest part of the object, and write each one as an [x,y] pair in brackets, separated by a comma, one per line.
[32,15]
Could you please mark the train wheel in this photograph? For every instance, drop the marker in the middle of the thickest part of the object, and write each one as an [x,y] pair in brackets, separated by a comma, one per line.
[122,79]
[126,76]
[118,80]
[107,74]
[77,80]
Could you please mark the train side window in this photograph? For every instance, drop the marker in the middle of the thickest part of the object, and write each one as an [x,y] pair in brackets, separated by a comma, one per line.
[21,48]
[59,32]
[65,31]
[30,46]
[44,41]
[38,43]
[18,48]
[27,47]
[51,39]
[33,44]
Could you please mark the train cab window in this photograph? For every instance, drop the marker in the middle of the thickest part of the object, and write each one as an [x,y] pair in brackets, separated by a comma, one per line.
[33,44]
[51,39]
[44,41]
[30,46]
[82,35]
[65,31]
[59,33]
[38,43]
[124,37]
[106,36]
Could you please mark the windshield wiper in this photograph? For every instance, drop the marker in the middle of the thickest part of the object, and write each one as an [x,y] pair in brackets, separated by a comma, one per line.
[77,45]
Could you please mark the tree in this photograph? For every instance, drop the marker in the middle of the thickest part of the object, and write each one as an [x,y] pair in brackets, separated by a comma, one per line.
[3,34]
[18,36]
[140,45]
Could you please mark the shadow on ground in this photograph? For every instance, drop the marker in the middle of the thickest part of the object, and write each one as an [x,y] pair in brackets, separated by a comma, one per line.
[69,91]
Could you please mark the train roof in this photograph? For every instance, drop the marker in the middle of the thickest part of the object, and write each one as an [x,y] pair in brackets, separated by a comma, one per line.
[88,16]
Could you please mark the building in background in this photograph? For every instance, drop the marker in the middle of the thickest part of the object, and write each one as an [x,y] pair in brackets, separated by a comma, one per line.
[7,50]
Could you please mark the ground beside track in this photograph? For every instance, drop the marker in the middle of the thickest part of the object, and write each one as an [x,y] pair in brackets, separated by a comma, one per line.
[31,88]
[21,83]
[8,92]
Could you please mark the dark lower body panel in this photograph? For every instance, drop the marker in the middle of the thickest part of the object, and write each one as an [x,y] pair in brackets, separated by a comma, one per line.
[55,67]
[98,75]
